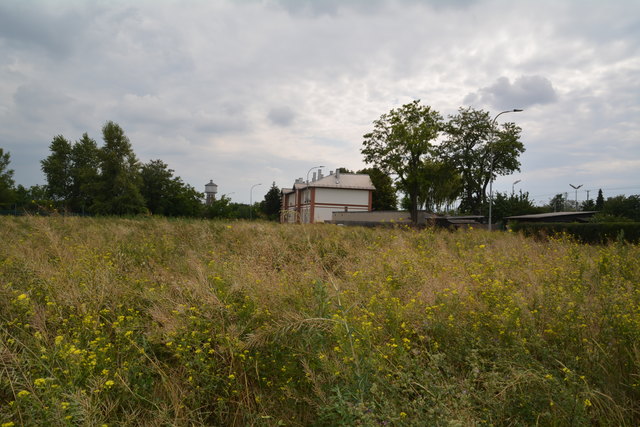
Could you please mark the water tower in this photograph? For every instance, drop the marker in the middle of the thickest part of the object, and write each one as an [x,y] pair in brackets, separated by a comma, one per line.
[210,191]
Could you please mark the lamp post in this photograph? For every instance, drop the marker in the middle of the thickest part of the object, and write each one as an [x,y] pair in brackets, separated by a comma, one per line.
[515,110]
[513,186]
[251,201]
[307,190]
[575,187]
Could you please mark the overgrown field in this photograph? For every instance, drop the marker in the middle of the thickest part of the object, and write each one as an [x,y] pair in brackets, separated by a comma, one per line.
[188,322]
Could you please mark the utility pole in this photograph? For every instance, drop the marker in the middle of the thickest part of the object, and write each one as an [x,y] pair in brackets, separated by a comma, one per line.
[575,187]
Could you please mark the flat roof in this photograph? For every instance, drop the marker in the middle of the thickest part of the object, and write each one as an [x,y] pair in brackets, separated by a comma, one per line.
[552,215]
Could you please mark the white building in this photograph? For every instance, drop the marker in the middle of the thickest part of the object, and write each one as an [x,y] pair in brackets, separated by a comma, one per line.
[324,195]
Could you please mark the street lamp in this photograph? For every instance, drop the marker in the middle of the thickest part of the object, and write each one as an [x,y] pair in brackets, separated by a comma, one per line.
[307,198]
[515,110]
[251,201]
[575,187]
[513,186]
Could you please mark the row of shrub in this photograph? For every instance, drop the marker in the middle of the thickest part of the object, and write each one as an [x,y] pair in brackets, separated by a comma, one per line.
[584,232]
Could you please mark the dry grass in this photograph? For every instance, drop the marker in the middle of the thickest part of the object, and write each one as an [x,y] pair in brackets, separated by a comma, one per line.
[156,321]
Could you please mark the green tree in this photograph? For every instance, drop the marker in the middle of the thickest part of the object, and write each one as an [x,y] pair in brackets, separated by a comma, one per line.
[85,165]
[184,199]
[57,170]
[623,207]
[219,208]
[400,142]
[270,206]
[32,199]
[344,170]
[480,151]
[505,204]
[156,186]
[600,201]
[118,186]
[557,203]
[7,193]
[384,196]
[588,205]
[444,185]
[166,194]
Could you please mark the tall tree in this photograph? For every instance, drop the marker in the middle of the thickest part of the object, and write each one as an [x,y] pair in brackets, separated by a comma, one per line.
[270,206]
[384,196]
[85,164]
[480,151]
[600,201]
[400,142]
[57,170]
[444,185]
[168,195]
[7,193]
[119,183]
[156,186]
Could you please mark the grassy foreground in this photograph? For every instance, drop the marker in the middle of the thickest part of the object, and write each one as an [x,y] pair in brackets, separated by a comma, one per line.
[187,322]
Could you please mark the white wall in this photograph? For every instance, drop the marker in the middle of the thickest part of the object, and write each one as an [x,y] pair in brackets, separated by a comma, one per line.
[337,200]
[342,196]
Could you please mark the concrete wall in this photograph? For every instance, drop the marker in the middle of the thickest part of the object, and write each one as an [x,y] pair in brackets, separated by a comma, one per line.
[375,216]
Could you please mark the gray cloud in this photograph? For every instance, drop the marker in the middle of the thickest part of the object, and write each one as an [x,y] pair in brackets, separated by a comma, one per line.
[524,92]
[260,90]
[53,30]
[333,7]
[281,116]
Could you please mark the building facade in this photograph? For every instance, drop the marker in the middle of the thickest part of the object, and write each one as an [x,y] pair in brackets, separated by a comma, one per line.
[316,201]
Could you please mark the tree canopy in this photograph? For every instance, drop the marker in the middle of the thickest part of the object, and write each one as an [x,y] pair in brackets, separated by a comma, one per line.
[384,196]
[400,142]
[7,194]
[57,169]
[480,151]
[85,164]
[118,185]
[270,206]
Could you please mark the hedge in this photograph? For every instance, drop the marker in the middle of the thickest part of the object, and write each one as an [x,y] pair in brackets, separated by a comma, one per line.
[585,232]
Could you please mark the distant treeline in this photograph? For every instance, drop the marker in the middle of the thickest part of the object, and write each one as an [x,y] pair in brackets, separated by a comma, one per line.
[83,178]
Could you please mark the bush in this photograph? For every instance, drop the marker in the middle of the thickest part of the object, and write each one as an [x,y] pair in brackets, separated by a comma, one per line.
[601,232]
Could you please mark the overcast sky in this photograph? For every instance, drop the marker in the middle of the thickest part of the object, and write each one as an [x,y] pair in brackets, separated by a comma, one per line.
[248,92]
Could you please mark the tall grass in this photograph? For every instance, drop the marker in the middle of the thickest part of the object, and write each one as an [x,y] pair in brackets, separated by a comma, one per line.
[188,322]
